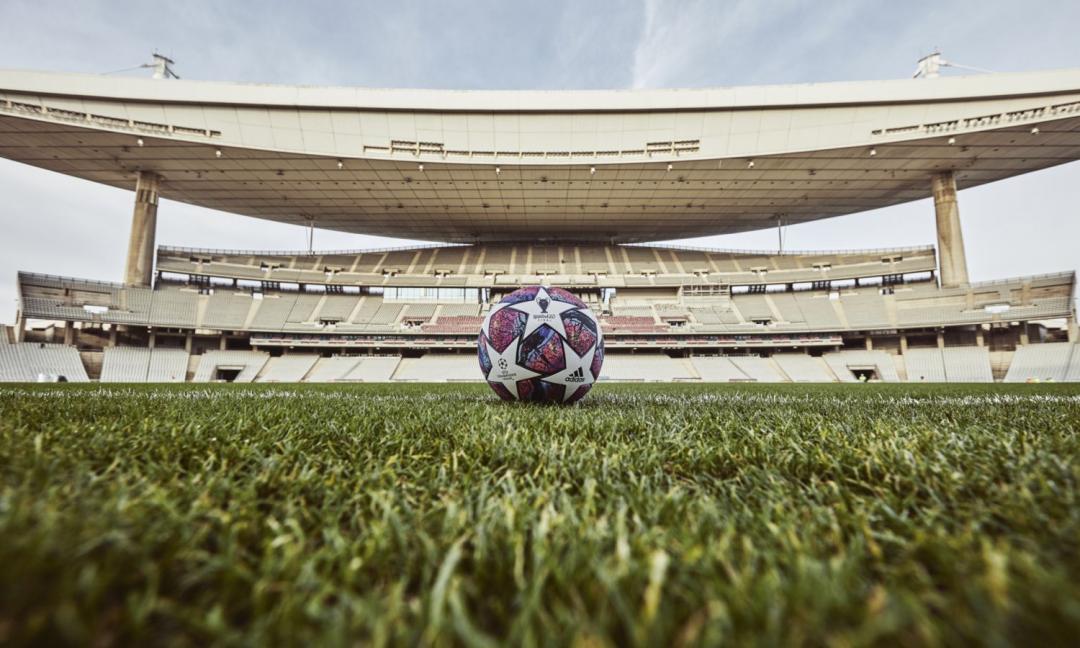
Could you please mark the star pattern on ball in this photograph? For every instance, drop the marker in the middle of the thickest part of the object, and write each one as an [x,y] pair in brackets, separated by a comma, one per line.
[577,374]
[505,368]
[542,310]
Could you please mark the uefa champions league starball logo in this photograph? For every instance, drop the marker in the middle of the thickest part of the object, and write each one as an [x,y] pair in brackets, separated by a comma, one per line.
[541,344]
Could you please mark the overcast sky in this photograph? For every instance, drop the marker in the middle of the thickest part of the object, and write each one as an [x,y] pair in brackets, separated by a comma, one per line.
[56,224]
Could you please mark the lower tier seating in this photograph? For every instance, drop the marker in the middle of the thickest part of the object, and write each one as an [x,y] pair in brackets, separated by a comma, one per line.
[230,366]
[1041,362]
[31,362]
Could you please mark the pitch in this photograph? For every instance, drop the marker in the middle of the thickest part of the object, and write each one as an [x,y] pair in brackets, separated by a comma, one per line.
[672,514]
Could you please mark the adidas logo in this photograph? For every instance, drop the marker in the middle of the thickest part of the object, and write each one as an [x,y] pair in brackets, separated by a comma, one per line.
[576,376]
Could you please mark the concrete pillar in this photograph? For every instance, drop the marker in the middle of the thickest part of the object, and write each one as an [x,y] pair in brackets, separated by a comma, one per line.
[112,335]
[950,239]
[941,339]
[69,333]
[903,343]
[140,257]
[1074,330]
[980,337]
[869,343]
[1024,340]
[153,340]
[20,330]
[187,342]
[222,343]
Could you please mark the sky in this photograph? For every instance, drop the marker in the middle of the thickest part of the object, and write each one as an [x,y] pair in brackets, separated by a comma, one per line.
[60,225]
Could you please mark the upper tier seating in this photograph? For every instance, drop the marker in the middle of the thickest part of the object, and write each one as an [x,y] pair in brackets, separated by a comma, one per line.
[644,265]
[26,362]
[458,310]
[632,325]
[227,310]
[465,324]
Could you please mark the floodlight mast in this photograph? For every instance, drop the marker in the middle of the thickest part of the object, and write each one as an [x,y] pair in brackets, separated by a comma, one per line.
[162,66]
[929,66]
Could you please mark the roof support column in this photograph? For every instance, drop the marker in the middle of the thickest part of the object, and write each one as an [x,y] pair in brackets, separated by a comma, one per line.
[950,239]
[140,257]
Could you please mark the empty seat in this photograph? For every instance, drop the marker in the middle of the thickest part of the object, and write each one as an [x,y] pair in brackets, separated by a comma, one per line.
[925,365]
[800,367]
[717,369]
[1041,362]
[848,365]
[436,367]
[758,369]
[967,364]
[230,366]
[28,361]
[287,368]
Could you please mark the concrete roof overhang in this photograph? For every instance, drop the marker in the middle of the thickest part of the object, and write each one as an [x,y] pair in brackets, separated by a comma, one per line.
[611,166]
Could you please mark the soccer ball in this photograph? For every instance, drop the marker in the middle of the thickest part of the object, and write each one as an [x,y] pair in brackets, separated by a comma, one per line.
[542,345]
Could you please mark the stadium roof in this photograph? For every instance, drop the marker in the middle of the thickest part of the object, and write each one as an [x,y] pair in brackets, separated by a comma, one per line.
[612,166]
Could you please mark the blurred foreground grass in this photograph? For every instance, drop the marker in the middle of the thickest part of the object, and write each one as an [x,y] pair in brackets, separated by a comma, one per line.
[841,515]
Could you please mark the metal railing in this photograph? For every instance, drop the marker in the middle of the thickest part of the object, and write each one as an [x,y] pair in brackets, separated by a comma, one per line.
[304,253]
[692,248]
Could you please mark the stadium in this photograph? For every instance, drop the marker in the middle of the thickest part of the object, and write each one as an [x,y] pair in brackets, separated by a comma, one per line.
[788,445]
[562,188]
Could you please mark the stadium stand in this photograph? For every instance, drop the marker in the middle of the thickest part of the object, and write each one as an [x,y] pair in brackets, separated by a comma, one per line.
[139,365]
[717,369]
[696,303]
[435,367]
[31,362]
[227,311]
[458,310]
[331,369]
[758,369]
[177,308]
[1041,362]
[373,369]
[1073,373]
[230,366]
[917,305]
[849,365]
[800,367]
[967,364]
[925,365]
[273,312]
[287,368]
[168,365]
[462,324]
[648,367]
[125,365]
[572,263]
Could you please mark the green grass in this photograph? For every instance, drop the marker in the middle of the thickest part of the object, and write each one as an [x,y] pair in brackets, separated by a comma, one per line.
[838,515]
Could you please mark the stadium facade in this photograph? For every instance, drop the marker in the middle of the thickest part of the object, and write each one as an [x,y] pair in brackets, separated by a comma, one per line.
[557,188]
